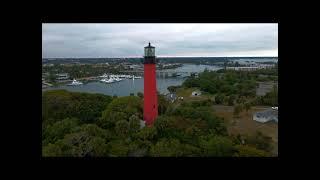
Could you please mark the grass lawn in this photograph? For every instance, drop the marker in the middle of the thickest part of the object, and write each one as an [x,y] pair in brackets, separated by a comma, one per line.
[244,124]
[186,94]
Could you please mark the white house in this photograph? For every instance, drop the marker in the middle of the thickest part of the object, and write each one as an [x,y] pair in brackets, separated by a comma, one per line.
[196,93]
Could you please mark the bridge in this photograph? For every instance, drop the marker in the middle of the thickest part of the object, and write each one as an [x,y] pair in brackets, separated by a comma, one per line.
[160,73]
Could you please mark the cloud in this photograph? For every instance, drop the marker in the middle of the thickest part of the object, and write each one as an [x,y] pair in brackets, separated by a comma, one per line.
[128,40]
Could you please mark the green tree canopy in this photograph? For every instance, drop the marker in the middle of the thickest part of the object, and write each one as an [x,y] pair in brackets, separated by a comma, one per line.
[134,124]
[147,133]
[122,128]
[216,146]
[60,104]
[162,104]
[118,148]
[248,151]
[58,130]
[230,82]
[166,148]
[184,129]
[121,108]
[79,144]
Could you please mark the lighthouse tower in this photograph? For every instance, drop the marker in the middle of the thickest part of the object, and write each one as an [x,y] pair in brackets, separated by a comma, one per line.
[150,106]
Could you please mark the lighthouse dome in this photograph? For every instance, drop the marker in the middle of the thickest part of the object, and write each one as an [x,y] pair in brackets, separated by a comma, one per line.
[149,51]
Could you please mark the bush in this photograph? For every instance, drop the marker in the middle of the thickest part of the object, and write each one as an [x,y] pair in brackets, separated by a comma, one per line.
[173,89]
[122,128]
[260,141]
[134,124]
[231,100]
[217,146]
[219,99]
[247,151]
[166,148]
[140,94]
[94,130]
[162,104]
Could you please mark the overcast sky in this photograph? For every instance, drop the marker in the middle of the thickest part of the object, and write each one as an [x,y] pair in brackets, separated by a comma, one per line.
[128,40]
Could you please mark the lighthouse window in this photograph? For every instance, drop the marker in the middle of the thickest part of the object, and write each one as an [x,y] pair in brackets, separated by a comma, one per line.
[149,51]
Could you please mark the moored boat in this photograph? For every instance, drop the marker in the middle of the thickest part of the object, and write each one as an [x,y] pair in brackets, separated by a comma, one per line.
[75,83]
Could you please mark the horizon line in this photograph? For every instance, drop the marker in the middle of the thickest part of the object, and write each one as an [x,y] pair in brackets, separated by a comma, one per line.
[156,56]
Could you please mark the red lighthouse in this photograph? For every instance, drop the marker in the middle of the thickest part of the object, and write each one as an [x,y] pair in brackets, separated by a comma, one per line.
[150,108]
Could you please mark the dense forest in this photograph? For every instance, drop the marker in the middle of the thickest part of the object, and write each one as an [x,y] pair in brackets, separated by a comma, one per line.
[230,87]
[95,125]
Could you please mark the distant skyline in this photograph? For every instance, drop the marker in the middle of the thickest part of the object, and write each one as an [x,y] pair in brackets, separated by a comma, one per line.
[128,40]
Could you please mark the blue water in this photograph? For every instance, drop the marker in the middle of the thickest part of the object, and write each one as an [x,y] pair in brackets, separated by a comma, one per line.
[127,86]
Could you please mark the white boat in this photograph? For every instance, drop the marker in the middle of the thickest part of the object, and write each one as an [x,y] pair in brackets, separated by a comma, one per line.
[117,79]
[75,83]
[111,80]
[103,80]
[136,77]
